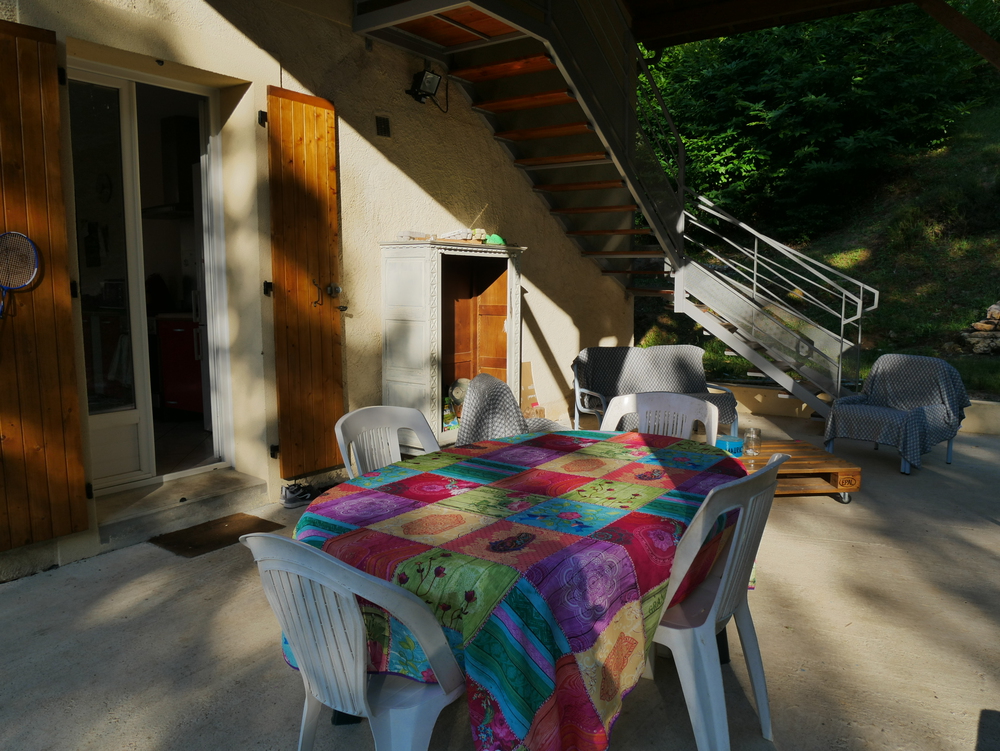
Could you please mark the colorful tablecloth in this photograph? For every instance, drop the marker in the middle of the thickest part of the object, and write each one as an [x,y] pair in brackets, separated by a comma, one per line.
[546,558]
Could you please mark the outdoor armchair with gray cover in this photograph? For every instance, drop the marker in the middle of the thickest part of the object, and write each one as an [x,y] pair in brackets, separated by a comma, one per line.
[908,401]
[602,373]
[490,411]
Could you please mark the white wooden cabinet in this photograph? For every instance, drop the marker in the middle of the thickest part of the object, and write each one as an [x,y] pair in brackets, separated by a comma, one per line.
[449,310]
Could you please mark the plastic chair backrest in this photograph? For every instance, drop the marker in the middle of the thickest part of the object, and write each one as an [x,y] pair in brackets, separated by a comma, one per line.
[373,434]
[664,413]
[489,411]
[314,597]
[751,498]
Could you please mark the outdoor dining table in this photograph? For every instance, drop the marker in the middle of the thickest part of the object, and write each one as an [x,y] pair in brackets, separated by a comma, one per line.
[546,558]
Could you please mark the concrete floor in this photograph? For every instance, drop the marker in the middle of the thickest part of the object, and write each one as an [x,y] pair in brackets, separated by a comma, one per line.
[879,623]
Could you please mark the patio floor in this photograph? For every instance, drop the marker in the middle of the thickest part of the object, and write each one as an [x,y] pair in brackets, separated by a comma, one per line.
[879,622]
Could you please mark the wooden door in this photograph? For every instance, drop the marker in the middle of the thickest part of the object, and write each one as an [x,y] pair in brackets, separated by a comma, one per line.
[305,249]
[42,486]
[491,321]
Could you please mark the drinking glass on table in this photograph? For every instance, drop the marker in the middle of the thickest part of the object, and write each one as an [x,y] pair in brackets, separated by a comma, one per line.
[751,442]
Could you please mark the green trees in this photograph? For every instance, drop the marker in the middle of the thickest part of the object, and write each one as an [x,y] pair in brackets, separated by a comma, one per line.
[788,126]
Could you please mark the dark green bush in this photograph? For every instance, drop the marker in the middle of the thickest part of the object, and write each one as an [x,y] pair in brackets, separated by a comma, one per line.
[787,127]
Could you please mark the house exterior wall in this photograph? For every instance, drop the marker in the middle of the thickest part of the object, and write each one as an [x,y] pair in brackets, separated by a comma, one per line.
[438,172]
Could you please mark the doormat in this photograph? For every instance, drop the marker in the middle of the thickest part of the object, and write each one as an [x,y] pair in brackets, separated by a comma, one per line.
[213,535]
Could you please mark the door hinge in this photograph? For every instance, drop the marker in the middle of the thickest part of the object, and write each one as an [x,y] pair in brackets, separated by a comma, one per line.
[74,289]
[262,118]
[88,490]
[274,450]
[268,288]
[61,75]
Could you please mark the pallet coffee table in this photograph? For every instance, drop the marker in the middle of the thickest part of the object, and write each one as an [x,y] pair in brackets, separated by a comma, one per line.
[809,471]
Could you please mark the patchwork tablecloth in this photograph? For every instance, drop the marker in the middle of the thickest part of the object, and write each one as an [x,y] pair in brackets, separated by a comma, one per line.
[545,557]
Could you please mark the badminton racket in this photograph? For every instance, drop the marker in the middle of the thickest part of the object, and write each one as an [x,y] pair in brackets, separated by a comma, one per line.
[18,264]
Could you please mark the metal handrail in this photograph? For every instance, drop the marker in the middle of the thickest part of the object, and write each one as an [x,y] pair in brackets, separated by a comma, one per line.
[823,270]
[799,270]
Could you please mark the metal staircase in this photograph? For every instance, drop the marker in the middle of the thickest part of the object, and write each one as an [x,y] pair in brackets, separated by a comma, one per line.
[559,83]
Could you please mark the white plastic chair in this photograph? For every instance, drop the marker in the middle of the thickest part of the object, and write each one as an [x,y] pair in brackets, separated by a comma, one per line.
[664,413]
[373,433]
[314,596]
[689,628]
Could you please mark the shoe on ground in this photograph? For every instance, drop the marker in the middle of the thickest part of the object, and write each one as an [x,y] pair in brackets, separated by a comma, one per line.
[296,494]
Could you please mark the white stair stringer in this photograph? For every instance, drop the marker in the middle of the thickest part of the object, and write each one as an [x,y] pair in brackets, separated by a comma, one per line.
[740,345]
[729,306]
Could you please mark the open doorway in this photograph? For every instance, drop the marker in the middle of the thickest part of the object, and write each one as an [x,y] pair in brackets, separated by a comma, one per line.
[171,140]
[139,163]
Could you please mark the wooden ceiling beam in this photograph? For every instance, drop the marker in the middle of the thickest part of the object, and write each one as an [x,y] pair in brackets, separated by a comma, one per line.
[960,25]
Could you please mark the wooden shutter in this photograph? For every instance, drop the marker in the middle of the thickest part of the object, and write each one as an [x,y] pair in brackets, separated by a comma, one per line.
[305,248]
[42,492]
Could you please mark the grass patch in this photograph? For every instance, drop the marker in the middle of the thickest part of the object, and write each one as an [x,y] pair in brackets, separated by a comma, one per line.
[930,242]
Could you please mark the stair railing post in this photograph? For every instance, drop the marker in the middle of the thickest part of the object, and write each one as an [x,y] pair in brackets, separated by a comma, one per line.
[680,293]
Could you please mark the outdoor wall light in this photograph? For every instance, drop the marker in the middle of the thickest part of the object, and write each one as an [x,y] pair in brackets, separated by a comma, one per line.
[425,84]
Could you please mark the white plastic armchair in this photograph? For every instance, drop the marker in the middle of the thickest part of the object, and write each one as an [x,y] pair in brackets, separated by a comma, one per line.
[664,413]
[314,597]
[689,628]
[373,434]
[602,373]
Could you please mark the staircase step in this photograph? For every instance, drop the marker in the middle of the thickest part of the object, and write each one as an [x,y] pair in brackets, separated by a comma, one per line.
[592,185]
[595,232]
[597,209]
[644,292]
[527,101]
[505,68]
[623,254]
[548,131]
[638,273]
[565,160]
[131,516]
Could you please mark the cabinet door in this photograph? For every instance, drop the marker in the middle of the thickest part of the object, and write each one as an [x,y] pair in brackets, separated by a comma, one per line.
[491,329]
[410,325]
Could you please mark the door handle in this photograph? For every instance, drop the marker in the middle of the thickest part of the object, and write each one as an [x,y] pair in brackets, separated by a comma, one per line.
[333,290]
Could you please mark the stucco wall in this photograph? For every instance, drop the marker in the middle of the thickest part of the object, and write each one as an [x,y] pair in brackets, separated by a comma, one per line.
[438,172]
[8,10]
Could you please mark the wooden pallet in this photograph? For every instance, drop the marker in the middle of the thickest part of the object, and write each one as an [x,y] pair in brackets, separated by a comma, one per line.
[809,471]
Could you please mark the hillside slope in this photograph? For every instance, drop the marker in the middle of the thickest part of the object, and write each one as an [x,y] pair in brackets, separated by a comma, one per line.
[929,241]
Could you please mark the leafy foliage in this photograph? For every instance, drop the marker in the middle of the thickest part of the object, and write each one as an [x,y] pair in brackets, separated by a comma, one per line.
[930,241]
[786,127]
